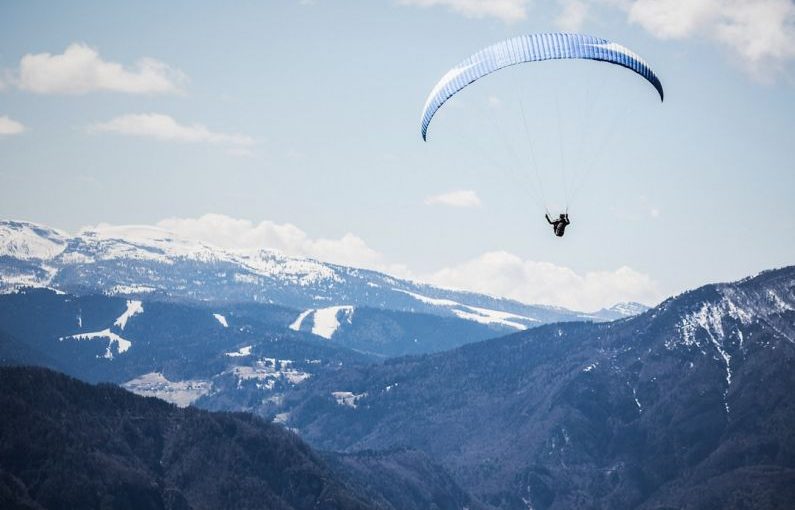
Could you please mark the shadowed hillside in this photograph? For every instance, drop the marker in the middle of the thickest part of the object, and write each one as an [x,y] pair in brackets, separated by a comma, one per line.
[66,444]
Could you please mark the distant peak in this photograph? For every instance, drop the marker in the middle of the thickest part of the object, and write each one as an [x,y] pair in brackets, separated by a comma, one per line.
[26,240]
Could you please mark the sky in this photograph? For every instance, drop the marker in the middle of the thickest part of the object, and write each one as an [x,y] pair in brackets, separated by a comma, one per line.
[294,125]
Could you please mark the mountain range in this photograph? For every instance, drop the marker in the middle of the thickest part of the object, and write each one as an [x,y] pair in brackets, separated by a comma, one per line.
[150,263]
[193,323]
[684,406]
[411,396]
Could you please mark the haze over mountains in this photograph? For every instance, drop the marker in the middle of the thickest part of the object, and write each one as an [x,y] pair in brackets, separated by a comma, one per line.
[685,405]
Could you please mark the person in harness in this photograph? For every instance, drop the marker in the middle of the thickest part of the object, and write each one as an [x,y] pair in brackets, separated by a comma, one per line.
[559,225]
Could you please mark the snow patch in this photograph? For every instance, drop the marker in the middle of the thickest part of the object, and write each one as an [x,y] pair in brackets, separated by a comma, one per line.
[222,320]
[240,353]
[348,399]
[133,308]
[122,345]
[474,313]
[637,402]
[296,325]
[486,316]
[429,300]
[326,320]
[591,366]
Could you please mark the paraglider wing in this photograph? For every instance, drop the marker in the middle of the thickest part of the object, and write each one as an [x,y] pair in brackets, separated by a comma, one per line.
[532,48]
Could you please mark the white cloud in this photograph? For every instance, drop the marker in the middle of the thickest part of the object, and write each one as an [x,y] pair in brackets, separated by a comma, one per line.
[459,198]
[505,274]
[761,33]
[9,126]
[239,234]
[165,128]
[573,15]
[80,69]
[507,11]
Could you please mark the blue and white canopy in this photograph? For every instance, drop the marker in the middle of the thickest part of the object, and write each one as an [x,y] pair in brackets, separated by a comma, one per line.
[532,48]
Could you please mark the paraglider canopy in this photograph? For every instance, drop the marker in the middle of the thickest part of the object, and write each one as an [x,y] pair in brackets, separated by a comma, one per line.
[532,48]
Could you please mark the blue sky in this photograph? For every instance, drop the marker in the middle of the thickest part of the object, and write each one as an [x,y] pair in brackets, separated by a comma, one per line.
[295,125]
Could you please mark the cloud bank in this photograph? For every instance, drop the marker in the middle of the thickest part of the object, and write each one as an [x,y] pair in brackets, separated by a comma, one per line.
[80,70]
[504,274]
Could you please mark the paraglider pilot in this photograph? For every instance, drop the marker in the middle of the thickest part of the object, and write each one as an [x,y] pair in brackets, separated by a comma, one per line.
[560,224]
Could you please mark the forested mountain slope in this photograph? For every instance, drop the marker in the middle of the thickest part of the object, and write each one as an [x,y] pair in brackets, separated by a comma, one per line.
[67,444]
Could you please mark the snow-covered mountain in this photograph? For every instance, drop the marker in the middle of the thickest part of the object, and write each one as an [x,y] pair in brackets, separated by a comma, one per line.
[26,241]
[138,261]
